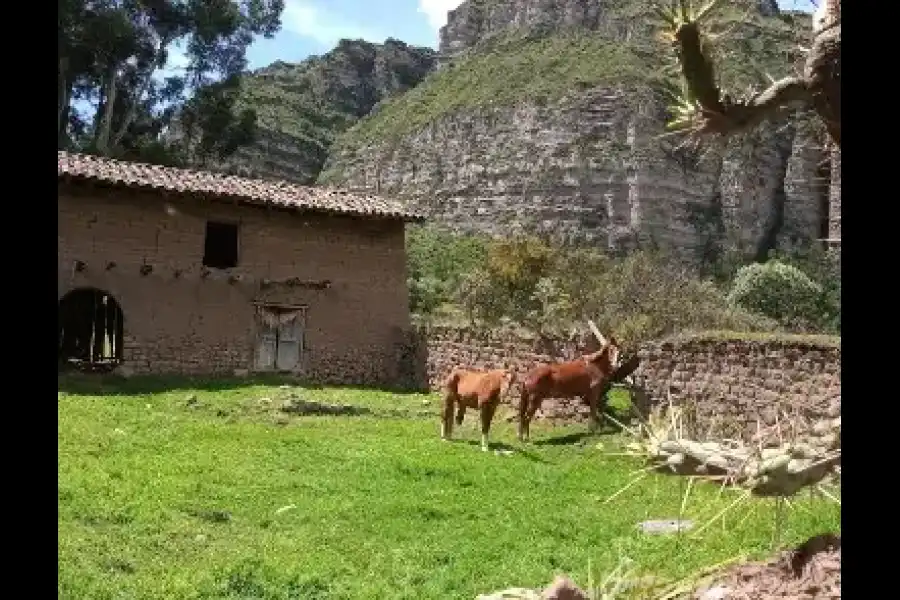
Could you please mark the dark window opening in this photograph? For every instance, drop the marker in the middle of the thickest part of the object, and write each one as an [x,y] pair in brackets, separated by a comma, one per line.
[90,331]
[220,250]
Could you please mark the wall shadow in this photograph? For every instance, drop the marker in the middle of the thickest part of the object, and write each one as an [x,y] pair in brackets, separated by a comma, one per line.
[575,437]
[98,384]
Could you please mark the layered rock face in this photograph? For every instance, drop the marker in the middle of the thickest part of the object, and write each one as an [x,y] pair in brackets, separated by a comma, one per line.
[590,164]
[478,20]
[302,107]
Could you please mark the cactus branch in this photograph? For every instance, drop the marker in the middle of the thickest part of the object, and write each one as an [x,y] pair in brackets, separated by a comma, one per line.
[705,109]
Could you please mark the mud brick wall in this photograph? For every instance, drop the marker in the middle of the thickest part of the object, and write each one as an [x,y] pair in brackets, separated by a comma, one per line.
[183,318]
[730,379]
[736,382]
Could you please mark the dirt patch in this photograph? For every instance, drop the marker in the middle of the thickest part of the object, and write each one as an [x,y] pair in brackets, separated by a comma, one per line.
[813,570]
[297,406]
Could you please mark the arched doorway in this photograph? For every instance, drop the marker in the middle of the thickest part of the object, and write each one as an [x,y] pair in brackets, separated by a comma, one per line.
[90,330]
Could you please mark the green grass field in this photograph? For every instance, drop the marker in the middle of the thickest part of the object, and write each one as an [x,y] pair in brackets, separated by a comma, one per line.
[168,491]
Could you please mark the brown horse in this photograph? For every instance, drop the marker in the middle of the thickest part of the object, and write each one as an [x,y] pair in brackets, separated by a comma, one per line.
[473,389]
[583,378]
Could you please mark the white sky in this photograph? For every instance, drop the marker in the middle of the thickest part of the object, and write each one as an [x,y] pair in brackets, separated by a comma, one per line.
[436,11]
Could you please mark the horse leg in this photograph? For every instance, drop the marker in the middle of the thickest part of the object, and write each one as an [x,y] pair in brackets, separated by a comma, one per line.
[529,416]
[460,412]
[447,416]
[524,400]
[602,401]
[487,415]
[592,398]
[528,406]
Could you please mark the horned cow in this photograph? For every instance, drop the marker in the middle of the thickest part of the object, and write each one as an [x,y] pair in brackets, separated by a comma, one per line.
[584,378]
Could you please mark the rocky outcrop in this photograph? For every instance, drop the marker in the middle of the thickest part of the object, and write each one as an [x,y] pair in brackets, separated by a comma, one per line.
[302,107]
[510,136]
[476,21]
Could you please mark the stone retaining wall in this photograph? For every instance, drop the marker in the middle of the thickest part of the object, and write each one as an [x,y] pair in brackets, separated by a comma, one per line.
[737,382]
[732,380]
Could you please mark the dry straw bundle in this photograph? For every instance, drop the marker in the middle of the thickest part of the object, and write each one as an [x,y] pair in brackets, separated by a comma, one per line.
[773,467]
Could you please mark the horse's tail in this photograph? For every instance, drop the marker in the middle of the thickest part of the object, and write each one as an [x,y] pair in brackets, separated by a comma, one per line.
[452,381]
[507,384]
[448,402]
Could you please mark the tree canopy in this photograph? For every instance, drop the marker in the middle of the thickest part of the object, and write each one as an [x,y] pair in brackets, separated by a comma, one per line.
[118,94]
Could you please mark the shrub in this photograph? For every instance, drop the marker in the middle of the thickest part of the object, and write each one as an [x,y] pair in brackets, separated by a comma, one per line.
[437,261]
[514,268]
[506,284]
[426,294]
[824,268]
[527,282]
[644,296]
[476,295]
[780,291]
[639,297]
[553,305]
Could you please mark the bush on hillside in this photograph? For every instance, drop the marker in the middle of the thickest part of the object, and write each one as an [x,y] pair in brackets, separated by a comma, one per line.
[824,268]
[553,305]
[426,294]
[514,269]
[437,263]
[779,291]
[639,297]
[644,296]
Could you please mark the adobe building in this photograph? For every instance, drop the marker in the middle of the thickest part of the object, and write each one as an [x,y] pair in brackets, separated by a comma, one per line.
[168,270]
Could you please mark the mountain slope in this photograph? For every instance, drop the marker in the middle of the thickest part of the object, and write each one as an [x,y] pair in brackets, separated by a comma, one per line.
[301,107]
[547,115]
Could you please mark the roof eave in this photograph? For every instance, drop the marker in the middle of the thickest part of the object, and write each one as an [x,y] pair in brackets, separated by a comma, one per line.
[245,200]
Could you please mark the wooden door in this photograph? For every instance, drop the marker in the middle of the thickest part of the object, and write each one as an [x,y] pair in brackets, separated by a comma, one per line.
[290,344]
[266,347]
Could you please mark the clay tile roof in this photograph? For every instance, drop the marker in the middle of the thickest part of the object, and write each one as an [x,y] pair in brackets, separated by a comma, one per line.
[250,191]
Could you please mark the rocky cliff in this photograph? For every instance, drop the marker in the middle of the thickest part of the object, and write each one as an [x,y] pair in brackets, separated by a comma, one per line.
[547,116]
[301,107]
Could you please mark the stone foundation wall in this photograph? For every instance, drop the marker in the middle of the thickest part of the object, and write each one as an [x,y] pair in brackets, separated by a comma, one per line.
[735,383]
[732,380]
[446,348]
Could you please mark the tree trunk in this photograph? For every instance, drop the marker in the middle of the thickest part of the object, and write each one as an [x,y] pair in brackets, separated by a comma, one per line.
[105,127]
[62,99]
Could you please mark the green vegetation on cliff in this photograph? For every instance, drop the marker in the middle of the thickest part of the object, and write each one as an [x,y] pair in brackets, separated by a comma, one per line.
[507,71]
[525,282]
[517,66]
[302,107]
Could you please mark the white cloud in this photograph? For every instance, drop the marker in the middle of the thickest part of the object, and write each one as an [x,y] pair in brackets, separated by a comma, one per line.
[435,11]
[309,21]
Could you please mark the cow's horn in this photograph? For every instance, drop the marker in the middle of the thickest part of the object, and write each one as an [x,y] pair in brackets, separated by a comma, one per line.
[597,333]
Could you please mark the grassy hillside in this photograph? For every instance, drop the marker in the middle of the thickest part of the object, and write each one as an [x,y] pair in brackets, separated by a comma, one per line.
[516,66]
[302,107]
[508,70]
